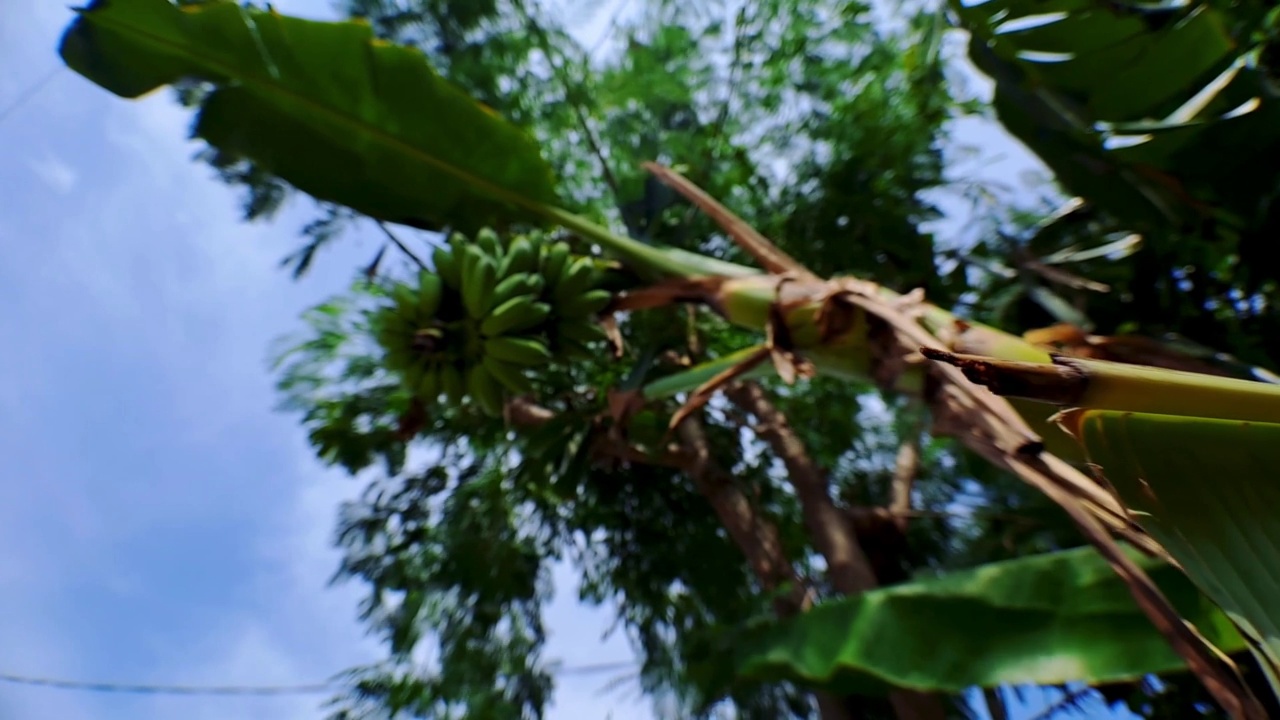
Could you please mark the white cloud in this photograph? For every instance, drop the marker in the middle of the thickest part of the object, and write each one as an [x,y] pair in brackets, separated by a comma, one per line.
[54,172]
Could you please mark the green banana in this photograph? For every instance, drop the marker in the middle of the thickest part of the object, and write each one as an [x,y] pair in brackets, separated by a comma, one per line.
[385,337]
[391,329]
[515,286]
[412,376]
[406,301]
[428,388]
[588,303]
[510,376]
[451,383]
[517,350]
[448,266]
[554,264]
[490,243]
[521,257]
[479,282]
[485,390]
[576,280]
[537,241]
[519,313]
[430,291]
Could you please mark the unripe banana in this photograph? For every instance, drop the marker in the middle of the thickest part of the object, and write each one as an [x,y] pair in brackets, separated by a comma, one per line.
[516,285]
[430,291]
[485,390]
[490,243]
[448,265]
[429,386]
[538,241]
[554,264]
[451,383]
[519,313]
[390,328]
[511,376]
[479,280]
[588,303]
[406,301]
[577,279]
[517,350]
[521,257]
[412,376]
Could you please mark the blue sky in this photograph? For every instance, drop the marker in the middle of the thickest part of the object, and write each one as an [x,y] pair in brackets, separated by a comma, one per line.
[160,523]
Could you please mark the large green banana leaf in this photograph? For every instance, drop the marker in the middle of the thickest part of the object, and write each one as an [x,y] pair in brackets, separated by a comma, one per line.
[1208,491]
[342,116]
[324,105]
[1043,619]
[1136,106]
[1192,456]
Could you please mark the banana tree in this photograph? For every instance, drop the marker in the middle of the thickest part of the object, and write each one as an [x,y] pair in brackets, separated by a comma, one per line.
[369,125]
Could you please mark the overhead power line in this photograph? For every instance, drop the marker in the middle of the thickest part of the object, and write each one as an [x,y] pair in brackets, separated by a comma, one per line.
[242,690]
[136,689]
[29,94]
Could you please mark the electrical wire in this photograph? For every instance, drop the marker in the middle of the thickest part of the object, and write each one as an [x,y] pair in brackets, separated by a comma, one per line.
[241,690]
[27,95]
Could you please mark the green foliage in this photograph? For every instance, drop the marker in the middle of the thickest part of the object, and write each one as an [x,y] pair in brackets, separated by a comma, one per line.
[1164,119]
[334,379]
[1042,619]
[446,550]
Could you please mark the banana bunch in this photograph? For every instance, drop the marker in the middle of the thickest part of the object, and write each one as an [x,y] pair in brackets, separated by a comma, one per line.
[490,312]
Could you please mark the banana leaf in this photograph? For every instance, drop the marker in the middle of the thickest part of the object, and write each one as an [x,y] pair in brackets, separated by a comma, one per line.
[323,105]
[1135,109]
[343,116]
[1045,619]
[1206,489]
[1192,456]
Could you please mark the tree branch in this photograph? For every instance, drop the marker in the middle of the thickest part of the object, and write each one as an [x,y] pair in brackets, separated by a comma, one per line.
[906,467]
[848,568]
[757,538]
[847,565]
[402,247]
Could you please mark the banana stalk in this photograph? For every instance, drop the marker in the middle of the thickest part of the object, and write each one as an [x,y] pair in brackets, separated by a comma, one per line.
[652,261]
[1104,385]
